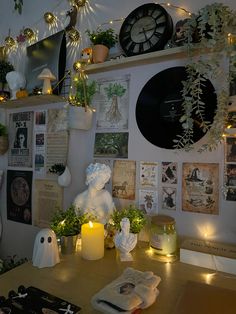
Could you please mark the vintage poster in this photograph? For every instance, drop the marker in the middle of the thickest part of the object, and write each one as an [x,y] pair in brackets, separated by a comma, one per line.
[48,198]
[230,148]
[20,139]
[169,198]
[40,121]
[111,145]
[148,174]
[148,201]
[19,196]
[200,188]
[169,172]
[39,158]
[231,194]
[231,175]
[123,179]
[112,101]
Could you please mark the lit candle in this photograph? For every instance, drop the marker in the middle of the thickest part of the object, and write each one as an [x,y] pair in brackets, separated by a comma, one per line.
[92,241]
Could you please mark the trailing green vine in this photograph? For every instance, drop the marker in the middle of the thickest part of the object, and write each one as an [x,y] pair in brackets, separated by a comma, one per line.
[18,5]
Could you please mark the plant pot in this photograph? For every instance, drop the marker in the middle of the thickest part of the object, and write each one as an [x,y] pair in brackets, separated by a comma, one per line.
[68,244]
[65,178]
[3,144]
[80,118]
[100,53]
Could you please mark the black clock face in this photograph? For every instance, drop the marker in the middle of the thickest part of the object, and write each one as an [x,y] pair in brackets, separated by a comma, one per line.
[146,29]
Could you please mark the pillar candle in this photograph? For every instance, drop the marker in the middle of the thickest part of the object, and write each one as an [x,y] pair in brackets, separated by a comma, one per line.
[92,241]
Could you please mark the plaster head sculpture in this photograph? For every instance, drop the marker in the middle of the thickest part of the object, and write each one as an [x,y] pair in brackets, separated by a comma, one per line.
[16,81]
[96,200]
[45,253]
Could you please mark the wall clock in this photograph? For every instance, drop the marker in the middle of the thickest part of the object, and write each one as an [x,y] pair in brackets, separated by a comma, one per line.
[148,28]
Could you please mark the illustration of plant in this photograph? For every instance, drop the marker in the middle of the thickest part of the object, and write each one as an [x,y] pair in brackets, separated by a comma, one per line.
[113,91]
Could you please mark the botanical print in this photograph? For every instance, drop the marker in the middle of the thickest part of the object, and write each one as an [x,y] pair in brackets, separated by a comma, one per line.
[200,189]
[111,145]
[123,179]
[169,198]
[113,103]
[148,174]
[148,201]
[169,172]
[231,175]
[230,147]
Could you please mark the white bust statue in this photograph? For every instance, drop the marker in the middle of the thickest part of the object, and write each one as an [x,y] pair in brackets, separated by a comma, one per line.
[96,200]
[16,81]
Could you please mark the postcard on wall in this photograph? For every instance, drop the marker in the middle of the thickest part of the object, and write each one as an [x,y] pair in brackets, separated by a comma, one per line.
[169,172]
[39,158]
[230,149]
[231,175]
[231,194]
[20,139]
[40,121]
[57,120]
[123,179]
[169,198]
[19,194]
[148,174]
[200,188]
[48,198]
[112,103]
[148,201]
[111,145]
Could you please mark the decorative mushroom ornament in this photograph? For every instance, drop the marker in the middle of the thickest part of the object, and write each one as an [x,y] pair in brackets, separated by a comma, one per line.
[47,76]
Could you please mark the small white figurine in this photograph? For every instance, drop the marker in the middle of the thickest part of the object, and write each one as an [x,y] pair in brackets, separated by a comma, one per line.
[96,200]
[125,241]
[16,81]
[45,253]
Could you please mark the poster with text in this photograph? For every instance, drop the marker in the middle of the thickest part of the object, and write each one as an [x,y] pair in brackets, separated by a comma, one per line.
[200,188]
[20,139]
[19,194]
[123,179]
[112,103]
[148,174]
[148,201]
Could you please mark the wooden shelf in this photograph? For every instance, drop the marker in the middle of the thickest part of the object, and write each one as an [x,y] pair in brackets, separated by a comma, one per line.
[31,101]
[156,56]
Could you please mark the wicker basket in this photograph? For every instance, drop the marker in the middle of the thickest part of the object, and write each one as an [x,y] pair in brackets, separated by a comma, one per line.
[3,144]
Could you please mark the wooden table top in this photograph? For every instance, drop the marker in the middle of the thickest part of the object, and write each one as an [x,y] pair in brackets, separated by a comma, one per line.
[77,280]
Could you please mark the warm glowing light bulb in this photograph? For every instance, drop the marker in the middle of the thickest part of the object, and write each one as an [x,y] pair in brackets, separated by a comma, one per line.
[90,224]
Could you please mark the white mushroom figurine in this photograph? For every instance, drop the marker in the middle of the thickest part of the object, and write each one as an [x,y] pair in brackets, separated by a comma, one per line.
[47,76]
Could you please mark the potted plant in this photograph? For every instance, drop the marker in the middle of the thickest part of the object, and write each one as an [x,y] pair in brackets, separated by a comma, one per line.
[208,31]
[102,41]
[3,139]
[5,67]
[63,172]
[67,226]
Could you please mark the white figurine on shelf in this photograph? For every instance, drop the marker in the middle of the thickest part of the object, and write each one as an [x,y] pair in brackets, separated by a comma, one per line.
[125,241]
[16,81]
[46,252]
[96,200]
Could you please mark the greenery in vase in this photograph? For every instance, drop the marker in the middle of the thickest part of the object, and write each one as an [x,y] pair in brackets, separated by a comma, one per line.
[3,130]
[5,67]
[84,92]
[106,37]
[135,215]
[57,168]
[68,222]
[211,27]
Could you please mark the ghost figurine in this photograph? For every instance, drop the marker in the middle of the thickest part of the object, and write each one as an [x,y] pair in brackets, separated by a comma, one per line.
[45,253]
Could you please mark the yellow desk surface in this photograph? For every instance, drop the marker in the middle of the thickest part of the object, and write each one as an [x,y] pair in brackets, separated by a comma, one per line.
[77,280]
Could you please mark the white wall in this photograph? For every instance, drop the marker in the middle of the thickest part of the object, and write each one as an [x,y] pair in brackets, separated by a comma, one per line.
[18,238]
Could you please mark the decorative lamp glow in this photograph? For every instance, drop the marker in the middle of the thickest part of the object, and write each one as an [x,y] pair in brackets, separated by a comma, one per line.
[49,18]
[47,76]
[74,35]
[80,3]
[9,42]
[29,33]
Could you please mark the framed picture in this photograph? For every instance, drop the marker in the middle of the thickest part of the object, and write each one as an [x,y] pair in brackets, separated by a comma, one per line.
[111,145]
[230,149]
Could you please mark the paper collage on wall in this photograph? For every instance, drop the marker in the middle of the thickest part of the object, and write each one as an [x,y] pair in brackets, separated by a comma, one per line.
[40,141]
[230,168]
[200,186]
[111,145]
[148,201]
[112,103]
[20,139]
[169,198]
[19,196]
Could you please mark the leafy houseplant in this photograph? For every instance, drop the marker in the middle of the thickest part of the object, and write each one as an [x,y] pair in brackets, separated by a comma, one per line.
[135,215]
[211,26]
[106,37]
[57,169]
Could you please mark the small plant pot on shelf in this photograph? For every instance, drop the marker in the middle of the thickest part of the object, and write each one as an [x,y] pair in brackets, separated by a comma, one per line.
[64,179]
[4,144]
[68,244]
[100,53]
[80,118]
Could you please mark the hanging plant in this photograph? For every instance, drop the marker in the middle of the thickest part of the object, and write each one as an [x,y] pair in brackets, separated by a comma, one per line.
[18,4]
[210,29]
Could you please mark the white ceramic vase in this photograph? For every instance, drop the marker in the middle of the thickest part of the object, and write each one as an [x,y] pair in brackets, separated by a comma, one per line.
[125,244]
[64,179]
[80,118]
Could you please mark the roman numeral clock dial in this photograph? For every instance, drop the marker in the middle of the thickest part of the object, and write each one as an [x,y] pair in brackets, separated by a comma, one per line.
[148,28]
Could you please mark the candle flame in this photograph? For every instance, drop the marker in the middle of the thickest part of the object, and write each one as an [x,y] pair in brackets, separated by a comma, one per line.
[90,224]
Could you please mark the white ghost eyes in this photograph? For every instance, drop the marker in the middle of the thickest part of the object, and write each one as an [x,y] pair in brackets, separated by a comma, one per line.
[49,239]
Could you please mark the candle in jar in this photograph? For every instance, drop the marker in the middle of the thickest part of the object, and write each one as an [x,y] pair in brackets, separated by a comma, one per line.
[92,241]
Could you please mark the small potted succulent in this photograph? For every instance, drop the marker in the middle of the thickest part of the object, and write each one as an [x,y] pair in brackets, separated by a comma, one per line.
[102,41]
[67,226]
[3,139]
[63,172]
